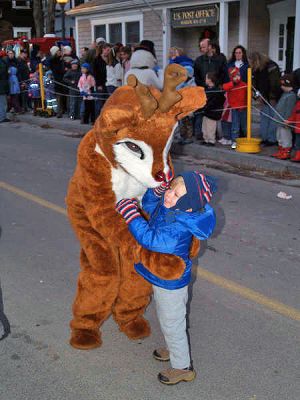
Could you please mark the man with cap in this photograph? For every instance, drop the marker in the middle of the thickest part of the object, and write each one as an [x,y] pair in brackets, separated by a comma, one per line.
[178,211]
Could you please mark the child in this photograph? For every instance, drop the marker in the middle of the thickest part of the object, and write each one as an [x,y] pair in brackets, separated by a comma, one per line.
[14,89]
[213,109]
[50,96]
[34,91]
[71,79]
[125,54]
[285,107]
[294,119]
[237,100]
[87,85]
[176,214]
[186,123]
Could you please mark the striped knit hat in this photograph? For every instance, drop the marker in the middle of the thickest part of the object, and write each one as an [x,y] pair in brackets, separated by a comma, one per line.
[200,189]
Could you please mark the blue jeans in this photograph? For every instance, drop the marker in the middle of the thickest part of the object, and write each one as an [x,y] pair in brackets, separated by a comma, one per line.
[74,104]
[239,121]
[226,129]
[3,106]
[267,125]
[297,142]
[198,117]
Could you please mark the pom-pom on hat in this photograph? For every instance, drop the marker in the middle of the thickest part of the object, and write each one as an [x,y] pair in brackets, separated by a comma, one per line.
[54,50]
[286,80]
[200,189]
[233,72]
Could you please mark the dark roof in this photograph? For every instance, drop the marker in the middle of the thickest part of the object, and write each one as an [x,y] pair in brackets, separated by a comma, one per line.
[94,3]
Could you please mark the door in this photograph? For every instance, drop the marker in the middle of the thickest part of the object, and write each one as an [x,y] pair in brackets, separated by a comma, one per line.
[289,53]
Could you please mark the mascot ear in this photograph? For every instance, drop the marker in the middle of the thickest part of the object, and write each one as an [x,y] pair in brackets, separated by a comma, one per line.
[113,118]
[193,98]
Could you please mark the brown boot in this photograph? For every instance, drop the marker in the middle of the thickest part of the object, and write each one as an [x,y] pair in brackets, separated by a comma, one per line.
[85,339]
[139,328]
[161,354]
[172,376]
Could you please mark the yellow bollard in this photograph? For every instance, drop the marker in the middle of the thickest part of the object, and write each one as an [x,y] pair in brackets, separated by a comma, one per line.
[248,144]
[42,89]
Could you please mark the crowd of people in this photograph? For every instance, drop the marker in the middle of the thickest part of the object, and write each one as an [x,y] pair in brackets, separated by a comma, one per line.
[78,85]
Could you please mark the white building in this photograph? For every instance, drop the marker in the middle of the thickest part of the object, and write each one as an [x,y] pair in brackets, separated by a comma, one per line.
[268,26]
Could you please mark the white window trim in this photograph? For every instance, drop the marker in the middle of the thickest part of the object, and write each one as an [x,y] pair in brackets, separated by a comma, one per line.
[26,7]
[22,29]
[117,20]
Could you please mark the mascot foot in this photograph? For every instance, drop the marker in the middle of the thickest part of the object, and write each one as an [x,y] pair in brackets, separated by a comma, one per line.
[139,328]
[85,339]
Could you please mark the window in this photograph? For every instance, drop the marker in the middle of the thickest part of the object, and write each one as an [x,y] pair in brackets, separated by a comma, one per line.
[19,32]
[126,30]
[281,42]
[132,32]
[20,4]
[100,31]
[115,33]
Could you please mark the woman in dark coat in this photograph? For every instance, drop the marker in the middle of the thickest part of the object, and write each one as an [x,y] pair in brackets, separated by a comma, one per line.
[4,87]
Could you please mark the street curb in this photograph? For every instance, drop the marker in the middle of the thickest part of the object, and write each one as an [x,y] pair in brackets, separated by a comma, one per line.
[252,162]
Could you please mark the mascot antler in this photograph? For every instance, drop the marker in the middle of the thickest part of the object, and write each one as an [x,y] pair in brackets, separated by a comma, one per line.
[148,101]
[174,75]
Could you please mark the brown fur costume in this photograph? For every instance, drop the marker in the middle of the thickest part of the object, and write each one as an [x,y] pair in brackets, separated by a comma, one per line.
[125,153]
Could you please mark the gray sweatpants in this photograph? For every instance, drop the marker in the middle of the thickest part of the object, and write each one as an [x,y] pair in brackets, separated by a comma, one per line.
[284,136]
[171,312]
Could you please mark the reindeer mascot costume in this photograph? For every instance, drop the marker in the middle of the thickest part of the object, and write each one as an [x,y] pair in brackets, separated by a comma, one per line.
[125,153]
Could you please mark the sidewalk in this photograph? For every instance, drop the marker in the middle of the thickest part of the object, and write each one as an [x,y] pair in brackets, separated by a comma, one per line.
[221,154]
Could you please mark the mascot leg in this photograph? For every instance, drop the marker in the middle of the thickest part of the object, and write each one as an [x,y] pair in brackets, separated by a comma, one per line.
[133,298]
[98,284]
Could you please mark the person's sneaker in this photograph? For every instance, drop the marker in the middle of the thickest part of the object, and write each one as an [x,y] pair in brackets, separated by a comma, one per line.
[233,145]
[161,354]
[72,117]
[222,141]
[5,120]
[172,376]
[210,144]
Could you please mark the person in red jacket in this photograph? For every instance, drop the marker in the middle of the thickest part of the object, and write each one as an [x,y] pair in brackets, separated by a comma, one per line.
[237,98]
[294,119]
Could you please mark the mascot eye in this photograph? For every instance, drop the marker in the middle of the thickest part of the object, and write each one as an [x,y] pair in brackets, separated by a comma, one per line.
[135,149]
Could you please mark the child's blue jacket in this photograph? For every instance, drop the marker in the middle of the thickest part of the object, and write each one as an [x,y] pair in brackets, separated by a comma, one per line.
[170,232]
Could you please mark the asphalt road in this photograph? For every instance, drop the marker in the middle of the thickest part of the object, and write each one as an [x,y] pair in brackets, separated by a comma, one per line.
[245,346]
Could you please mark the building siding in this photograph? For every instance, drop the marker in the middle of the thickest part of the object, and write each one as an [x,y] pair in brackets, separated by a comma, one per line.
[259,27]
[84,33]
[153,31]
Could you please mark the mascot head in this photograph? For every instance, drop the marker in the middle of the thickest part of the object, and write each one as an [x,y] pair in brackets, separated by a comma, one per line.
[136,126]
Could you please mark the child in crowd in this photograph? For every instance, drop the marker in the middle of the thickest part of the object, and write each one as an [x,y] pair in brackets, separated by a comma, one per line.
[14,90]
[237,100]
[177,213]
[294,119]
[285,107]
[186,123]
[50,96]
[87,86]
[34,91]
[71,79]
[213,109]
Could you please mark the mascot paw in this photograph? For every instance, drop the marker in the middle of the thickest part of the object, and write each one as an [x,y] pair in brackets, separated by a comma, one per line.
[139,328]
[85,339]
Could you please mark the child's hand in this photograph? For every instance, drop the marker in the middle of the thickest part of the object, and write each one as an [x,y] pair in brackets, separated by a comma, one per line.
[128,209]
[159,191]
[236,79]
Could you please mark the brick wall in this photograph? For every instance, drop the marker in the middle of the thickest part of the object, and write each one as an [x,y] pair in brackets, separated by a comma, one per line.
[153,31]
[84,33]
